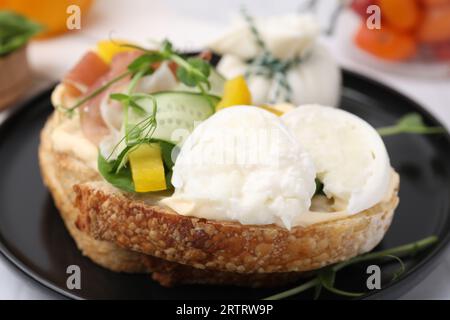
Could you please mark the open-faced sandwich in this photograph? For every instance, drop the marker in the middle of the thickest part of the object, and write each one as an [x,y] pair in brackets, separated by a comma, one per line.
[159,164]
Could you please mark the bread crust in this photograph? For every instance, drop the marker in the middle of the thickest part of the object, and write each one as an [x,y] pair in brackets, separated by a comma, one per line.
[111,215]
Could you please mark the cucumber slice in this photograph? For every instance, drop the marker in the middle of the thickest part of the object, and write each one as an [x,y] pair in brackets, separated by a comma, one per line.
[216,80]
[177,113]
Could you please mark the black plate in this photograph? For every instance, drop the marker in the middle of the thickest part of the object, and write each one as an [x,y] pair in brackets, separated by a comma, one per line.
[33,237]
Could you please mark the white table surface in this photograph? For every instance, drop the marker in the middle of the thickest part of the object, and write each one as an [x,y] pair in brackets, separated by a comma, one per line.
[191,24]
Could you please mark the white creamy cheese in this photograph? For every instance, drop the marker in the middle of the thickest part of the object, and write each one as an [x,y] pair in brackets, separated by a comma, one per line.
[316,78]
[242,164]
[350,157]
[286,37]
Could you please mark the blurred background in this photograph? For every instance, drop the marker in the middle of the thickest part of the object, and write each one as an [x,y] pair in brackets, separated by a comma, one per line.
[411,53]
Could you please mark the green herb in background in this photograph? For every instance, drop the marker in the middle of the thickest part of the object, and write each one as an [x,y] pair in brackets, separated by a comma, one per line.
[409,123]
[325,277]
[15,31]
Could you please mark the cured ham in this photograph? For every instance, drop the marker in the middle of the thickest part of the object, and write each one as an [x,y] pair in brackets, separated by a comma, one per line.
[85,73]
[92,123]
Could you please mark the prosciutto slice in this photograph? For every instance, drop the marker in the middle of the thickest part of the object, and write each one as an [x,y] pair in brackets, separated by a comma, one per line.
[92,122]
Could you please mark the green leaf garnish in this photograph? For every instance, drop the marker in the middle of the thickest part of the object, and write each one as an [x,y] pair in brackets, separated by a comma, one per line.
[325,277]
[120,179]
[166,150]
[15,31]
[410,123]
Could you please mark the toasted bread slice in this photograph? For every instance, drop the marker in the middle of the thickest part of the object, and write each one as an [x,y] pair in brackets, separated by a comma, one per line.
[124,233]
[62,170]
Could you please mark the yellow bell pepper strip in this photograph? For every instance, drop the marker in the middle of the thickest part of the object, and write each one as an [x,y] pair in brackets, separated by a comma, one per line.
[235,93]
[107,49]
[277,109]
[147,168]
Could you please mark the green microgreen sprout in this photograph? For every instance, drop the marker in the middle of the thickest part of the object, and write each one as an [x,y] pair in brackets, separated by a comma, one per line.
[325,277]
[410,123]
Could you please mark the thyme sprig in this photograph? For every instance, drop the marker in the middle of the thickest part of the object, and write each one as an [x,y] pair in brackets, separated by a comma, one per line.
[325,278]
[409,123]
[269,66]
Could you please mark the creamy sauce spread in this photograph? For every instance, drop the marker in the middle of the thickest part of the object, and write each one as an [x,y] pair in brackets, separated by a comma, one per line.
[67,135]
[321,208]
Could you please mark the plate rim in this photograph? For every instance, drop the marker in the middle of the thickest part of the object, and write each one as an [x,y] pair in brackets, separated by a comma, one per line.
[9,256]
[428,262]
